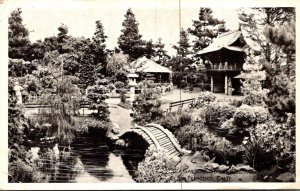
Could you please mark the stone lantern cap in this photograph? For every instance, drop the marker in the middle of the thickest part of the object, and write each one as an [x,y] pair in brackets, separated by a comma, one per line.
[132,75]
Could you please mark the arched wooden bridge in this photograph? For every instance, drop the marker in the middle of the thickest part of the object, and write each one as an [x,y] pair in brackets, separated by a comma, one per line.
[158,137]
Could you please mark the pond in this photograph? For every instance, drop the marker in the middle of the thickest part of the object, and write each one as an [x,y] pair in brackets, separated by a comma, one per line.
[87,160]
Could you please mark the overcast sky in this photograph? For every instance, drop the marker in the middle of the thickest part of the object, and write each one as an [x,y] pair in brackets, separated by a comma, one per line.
[157,18]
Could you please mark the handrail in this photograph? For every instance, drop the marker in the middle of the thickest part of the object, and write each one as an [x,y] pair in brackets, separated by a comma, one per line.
[183,101]
[150,135]
[168,133]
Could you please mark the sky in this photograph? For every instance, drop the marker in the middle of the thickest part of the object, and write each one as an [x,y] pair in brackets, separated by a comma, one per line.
[156,18]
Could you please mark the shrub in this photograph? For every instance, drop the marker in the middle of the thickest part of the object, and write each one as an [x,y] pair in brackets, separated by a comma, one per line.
[270,144]
[244,116]
[236,102]
[256,155]
[173,121]
[261,114]
[185,118]
[92,126]
[219,112]
[146,105]
[255,98]
[155,168]
[170,121]
[123,95]
[198,137]
[229,124]
[205,98]
[119,85]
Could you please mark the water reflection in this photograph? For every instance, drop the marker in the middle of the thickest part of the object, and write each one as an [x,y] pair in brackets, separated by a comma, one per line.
[88,160]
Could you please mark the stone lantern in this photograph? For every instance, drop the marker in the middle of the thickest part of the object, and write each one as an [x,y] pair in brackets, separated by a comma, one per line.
[132,84]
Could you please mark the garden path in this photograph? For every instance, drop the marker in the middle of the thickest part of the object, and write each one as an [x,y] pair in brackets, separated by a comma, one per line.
[119,115]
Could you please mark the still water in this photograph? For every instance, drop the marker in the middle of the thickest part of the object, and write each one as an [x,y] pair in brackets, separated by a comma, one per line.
[87,160]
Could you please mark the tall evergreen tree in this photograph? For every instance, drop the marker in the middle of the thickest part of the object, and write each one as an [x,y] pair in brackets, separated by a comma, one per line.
[273,58]
[62,38]
[205,29]
[130,41]
[183,48]
[98,47]
[160,53]
[18,36]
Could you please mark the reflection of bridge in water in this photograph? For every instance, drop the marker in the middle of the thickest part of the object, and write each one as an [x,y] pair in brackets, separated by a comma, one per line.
[155,136]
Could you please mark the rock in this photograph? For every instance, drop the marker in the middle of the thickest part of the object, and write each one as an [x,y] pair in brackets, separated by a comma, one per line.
[186,152]
[115,129]
[286,177]
[246,168]
[173,162]
[199,157]
[183,166]
[212,165]
[232,169]
[223,168]
[120,143]
[188,177]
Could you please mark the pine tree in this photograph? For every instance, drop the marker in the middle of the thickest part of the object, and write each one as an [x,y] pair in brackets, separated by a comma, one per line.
[160,53]
[205,29]
[62,38]
[18,36]
[130,41]
[183,44]
[282,94]
[98,47]
[275,60]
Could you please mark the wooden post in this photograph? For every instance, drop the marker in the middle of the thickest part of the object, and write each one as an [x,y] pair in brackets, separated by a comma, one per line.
[226,85]
[212,83]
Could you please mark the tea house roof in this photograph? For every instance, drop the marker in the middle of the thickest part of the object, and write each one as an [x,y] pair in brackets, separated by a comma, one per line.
[149,66]
[224,41]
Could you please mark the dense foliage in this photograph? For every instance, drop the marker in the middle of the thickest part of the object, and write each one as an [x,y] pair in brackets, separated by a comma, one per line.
[205,28]
[146,105]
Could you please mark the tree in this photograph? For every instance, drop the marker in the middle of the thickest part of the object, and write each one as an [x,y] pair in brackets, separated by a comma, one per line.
[62,38]
[18,36]
[98,47]
[130,41]
[116,63]
[183,44]
[205,29]
[160,53]
[149,51]
[37,50]
[275,60]
[180,63]
[97,93]
[252,85]
[146,105]
[282,95]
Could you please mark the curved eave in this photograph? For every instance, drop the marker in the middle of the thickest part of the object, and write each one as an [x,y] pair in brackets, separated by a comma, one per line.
[232,48]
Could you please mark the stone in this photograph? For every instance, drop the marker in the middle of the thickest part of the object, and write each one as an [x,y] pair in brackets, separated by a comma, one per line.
[245,168]
[223,168]
[212,165]
[173,162]
[183,166]
[188,177]
[286,177]
[232,169]
[120,143]
[115,129]
[199,157]
[186,152]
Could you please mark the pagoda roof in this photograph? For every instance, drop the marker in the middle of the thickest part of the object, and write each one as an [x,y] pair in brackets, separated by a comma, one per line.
[224,41]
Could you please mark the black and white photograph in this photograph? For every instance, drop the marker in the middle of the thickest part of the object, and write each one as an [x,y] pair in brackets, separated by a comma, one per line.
[158,91]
